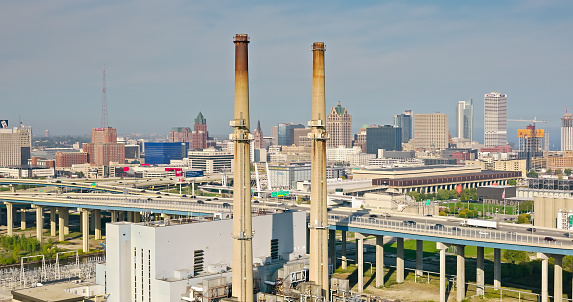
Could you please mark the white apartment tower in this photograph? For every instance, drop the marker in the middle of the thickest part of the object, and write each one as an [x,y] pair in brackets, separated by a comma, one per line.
[567,132]
[465,120]
[495,119]
[339,127]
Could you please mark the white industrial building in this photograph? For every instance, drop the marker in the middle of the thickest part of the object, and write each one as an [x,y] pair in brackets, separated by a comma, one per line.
[166,260]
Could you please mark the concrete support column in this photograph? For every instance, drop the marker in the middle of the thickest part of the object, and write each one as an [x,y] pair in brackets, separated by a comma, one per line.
[544,276]
[497,268]
[12,188]
[22,218]
[360,260]
[344,263]
[332,248]
[10,218]
[52,221]
[61,221]
[480,276]
[461,274]
[85,229]
[97,223]
[399,260]
[165,216]
[92,226]
[129,216]
[39,222]
[442,247]
[136,217]
[379,261]
[558,279]
[419,257]
[66,221]
[113,216]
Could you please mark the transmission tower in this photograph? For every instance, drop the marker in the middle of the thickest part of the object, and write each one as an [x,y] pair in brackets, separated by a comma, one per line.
[103,103]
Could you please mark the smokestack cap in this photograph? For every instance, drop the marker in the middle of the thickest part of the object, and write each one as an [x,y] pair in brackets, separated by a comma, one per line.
[318,46]
[241,38]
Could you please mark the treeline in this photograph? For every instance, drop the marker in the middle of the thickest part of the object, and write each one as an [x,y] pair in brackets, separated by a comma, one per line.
[16,246]
[442,194]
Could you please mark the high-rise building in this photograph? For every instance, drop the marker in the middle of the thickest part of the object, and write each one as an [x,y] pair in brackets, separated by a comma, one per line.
[199,135]
[404,122]
[275,135]
[164,152]
[104,147]
[258,135]
[15,145]
[567,132]
[495,119]
[431,131]
[68,159]
[465,120]
[339,127]
[179,134]
[383,137]
[286,133]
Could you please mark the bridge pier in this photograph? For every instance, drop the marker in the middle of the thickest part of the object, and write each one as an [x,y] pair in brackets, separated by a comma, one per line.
[558,278]
[66,221]
[129,216]
[399,260]
[85,229]
[92,225]
[544,276]
[379,261]
[331,247]
[22,218]
[344,263]
[461,272]
[12,188]
[480,275]
[10,217]
[113,216]
[497,268]
[39,222]
[62,213]
[97,224]
[52,221]
[442,247]
[136,217]
[419,257]
[360,260]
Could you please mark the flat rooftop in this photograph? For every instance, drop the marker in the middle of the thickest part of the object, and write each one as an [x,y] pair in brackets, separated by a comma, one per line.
[52,293]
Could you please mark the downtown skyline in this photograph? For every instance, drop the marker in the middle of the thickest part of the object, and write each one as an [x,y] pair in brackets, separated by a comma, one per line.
[166,63]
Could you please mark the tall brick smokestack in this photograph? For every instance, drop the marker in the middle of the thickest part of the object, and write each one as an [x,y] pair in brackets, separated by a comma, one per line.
[242,220]
[318,272]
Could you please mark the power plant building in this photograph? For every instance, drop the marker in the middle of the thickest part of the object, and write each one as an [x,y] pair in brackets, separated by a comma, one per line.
[339,127]
[163,260]
[495,119]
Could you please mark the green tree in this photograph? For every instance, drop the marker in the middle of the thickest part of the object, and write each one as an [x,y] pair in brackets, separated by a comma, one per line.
[512,182]
[442,213]
[523,218]
[567,171]
[549,171]
[532,174]
[415,195]
[526,206]
[515,256]
[443,194]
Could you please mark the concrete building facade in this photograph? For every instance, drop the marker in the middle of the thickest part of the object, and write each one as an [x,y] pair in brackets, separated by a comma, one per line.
[210,160]
[495,119]
[68,159]
[179,134]
[15,146]
[339,127]
[104,147]
[431,131]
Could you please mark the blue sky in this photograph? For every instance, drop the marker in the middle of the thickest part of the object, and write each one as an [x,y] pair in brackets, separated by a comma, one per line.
[168,60]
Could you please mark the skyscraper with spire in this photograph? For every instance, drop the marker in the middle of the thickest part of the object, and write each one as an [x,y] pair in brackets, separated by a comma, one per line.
[199,135]
[339,127]
[258,134]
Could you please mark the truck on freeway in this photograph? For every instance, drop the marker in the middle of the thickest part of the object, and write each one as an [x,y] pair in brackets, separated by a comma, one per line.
[479,223]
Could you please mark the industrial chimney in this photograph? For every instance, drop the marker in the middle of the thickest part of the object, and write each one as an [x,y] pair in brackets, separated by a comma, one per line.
[318,211]
[242,220]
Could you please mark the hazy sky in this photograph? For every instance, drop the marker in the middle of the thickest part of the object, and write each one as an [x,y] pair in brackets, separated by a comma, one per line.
[168,60]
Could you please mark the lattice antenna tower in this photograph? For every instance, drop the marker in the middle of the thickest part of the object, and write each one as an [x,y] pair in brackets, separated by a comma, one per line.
[104,103]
